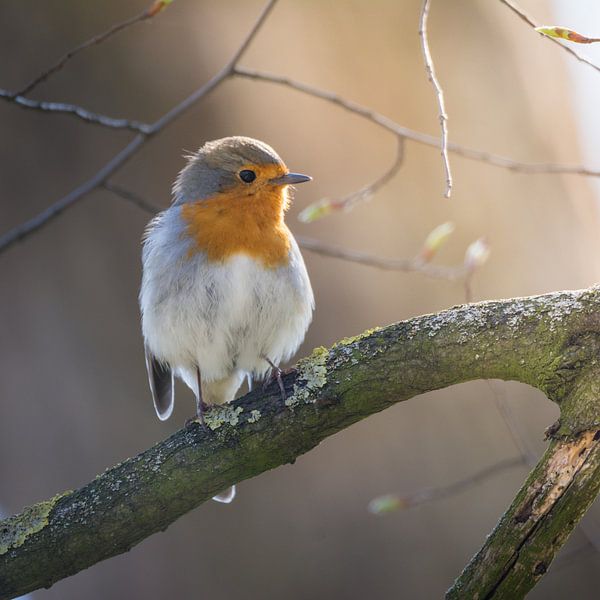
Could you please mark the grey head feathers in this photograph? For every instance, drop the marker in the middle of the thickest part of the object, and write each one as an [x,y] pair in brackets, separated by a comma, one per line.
[214,167]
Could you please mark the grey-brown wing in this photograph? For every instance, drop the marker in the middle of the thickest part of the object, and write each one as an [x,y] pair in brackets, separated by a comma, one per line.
[162,386]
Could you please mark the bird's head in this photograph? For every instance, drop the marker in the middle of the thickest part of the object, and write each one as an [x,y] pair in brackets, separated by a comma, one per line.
[235,168]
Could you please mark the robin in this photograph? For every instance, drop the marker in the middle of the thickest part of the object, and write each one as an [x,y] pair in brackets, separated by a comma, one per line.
[225,294]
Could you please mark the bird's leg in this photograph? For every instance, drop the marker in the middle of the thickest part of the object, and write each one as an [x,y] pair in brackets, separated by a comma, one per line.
[200,406]
[276,373]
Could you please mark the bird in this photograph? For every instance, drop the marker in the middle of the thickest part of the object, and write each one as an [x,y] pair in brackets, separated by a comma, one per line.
[225,294]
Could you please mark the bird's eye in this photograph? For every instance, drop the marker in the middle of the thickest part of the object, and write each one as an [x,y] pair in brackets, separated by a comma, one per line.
[247,176]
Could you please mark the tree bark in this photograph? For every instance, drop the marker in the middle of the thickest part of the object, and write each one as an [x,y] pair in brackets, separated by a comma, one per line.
[551,342]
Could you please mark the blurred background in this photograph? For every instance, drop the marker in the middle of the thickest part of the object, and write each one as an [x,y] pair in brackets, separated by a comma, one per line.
[73,388]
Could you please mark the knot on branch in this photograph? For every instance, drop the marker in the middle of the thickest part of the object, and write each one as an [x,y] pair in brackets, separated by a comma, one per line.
[574,384]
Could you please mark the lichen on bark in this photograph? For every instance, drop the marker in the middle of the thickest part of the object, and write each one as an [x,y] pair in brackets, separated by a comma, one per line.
[15,530]
[549,341]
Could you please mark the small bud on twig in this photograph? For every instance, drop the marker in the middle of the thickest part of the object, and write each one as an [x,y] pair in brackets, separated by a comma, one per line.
[563,33]
[386,504]
[435,240]
[477,254]
[157,6]
[318,210]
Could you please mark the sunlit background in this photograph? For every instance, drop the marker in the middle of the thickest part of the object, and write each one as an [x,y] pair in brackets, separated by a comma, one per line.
[73,389]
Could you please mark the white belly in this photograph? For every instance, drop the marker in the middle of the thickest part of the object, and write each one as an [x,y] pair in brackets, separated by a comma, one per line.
[223,317]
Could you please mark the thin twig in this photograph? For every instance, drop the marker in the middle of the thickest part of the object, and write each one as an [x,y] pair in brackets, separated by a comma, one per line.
[367,192]
[408,265]
[499,400]
[28,227]
[391,502]
[511,164]
[136,199]
[25,229]
[410,134]
[76,111]
[430,68]
[525,17]
[82,113]
[327,205]
[377,118]
[227,71]
[150,12]
[231,68]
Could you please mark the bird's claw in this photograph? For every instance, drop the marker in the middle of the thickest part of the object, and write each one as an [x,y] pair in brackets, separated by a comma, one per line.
[202,408]
[276,374]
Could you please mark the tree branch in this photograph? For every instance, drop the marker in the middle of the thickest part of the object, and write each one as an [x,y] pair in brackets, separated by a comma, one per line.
[550,342]
[74,110]
[407,265]
[416,264]
[147,206]
[419,137]
[146,131]
[25,229]
[148,13]
[28,227]
[439,93]
[523,544]
[18,97]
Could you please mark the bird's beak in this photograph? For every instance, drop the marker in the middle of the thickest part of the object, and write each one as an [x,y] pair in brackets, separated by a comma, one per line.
[290,179]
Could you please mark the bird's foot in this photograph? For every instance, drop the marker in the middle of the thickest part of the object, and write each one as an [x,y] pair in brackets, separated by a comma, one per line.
[189,422]
[202,408]
[275,375]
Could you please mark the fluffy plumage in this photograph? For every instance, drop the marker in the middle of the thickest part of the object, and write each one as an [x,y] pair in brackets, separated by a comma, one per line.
[224,285]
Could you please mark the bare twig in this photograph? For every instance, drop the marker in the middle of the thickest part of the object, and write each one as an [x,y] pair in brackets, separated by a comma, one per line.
[408,265]
[150,12]
[511,164]
[503,408]
[430,68]
[525,17]
[82,113]
[24,229]
[392,502]
[145,131]
[328,205]
[415,136]
[28,227]
[227,71]
[74,110]
[410,134]
[368,191]
[136,199]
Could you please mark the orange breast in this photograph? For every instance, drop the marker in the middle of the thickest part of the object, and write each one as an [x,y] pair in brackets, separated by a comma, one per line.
[230,224]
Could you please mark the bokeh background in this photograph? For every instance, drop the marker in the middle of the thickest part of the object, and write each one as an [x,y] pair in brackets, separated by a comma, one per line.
[73,390]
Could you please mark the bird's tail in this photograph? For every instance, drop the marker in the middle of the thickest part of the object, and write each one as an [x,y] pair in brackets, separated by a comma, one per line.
[162,386]
[226,496]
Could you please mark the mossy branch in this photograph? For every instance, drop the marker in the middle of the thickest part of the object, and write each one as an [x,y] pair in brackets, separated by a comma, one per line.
[551,342]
